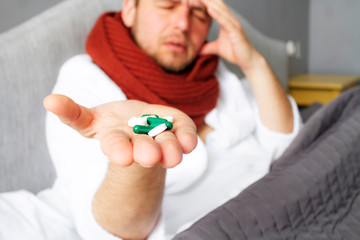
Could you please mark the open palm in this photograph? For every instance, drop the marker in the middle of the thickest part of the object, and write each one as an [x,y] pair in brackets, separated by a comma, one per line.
[109,124]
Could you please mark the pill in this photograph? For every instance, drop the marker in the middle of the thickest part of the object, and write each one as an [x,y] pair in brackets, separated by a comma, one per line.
[157,130]
[153,122]
[169,119]
[142,129]
[150,115]
[142,121]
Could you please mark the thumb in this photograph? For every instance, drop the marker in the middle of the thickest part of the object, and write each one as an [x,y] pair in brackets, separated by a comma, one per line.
[210,48]
[69,112]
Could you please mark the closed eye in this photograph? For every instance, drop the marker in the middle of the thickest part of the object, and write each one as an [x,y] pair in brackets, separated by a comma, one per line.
[166,4]
[200,13]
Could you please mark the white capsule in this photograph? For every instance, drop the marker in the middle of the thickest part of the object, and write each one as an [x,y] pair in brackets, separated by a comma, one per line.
[169,119]
[157,130]
[142,121]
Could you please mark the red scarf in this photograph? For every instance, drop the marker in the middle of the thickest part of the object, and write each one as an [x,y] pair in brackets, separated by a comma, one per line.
[111,47]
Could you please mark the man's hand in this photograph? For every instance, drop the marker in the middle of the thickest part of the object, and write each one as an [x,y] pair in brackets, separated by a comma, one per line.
[108,124]
[232,43]
[128,202]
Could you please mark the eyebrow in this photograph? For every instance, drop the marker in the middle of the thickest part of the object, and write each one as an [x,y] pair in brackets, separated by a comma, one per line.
[196,7]
[203,8]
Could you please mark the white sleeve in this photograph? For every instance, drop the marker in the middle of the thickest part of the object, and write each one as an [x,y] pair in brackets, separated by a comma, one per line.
[273,141]
[79,162]
[236,116]
[233,117]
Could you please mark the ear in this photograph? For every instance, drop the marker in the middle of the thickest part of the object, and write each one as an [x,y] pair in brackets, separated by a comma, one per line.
[128,12]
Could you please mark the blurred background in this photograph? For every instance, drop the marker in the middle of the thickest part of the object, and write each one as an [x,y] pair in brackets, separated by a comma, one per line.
[325,33]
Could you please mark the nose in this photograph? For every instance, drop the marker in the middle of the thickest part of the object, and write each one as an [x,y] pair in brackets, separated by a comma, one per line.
[182,19]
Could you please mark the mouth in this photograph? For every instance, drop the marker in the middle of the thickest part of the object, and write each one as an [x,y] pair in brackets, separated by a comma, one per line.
[176,46]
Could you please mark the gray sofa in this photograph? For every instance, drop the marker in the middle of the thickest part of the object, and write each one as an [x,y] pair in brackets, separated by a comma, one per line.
[30,57]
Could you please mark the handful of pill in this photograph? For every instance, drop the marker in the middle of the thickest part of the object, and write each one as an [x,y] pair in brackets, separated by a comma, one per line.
[150,124]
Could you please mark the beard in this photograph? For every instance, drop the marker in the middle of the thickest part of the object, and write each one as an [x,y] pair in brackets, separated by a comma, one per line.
[175,64]
[169,61]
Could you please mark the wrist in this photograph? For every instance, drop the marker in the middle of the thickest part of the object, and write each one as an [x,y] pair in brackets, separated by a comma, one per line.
[128,202]
[134,174]
[256,63]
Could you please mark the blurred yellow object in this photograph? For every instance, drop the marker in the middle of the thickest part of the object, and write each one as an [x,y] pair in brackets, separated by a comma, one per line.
[307,89]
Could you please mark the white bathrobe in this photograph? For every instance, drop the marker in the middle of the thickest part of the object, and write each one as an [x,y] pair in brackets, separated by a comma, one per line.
[237,153]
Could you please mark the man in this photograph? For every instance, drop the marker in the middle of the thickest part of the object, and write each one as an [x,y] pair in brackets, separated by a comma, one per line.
[130,198]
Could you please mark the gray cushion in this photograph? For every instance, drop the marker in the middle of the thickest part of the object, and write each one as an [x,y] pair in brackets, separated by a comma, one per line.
[30,57]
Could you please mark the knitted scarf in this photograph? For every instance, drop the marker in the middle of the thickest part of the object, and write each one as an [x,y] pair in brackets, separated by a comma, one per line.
[111,47]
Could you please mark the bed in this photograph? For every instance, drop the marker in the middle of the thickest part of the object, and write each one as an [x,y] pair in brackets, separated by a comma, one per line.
[311,192]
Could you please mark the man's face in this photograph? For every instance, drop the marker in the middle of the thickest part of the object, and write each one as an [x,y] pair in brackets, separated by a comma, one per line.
[171,31]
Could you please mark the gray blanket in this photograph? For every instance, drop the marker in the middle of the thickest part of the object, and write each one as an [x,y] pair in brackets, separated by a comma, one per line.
[311,192]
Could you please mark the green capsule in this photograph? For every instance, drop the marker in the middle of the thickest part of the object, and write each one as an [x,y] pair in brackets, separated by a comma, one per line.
[150,115]
[141,129]
[153,122]
[169,125]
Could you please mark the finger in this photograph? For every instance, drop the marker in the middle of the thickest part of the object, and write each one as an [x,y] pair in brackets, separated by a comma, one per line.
[226,21]
[187,140]
[146,151]
[216,7]
[117,147]
[183,127]
[218,10]
[171,150]
[69,112]
[186,133]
